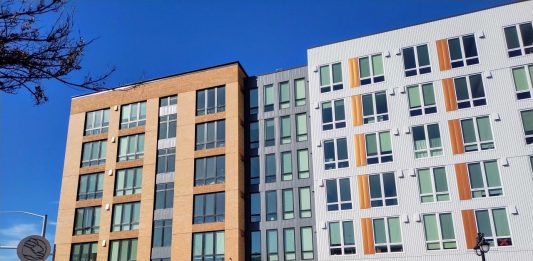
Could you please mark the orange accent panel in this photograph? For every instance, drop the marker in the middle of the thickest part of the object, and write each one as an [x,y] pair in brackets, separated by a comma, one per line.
[354,72]
[443,54]
[450,100]
[368,236]
[360,157]
[357,110]
[456,137]
[463,184]
[364,191]
[469,224]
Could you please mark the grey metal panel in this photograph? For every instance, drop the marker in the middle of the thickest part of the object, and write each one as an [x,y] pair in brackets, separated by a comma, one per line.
[165,213]
[161,252]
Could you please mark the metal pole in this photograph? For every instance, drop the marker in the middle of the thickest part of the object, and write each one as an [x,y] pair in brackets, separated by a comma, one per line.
[482,256]
[45,219]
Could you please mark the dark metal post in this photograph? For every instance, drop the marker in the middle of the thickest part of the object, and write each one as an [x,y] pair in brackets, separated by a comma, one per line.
[45,219]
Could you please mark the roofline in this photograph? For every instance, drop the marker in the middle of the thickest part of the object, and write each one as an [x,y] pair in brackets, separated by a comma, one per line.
[164,77]
[426,22]
[280,70]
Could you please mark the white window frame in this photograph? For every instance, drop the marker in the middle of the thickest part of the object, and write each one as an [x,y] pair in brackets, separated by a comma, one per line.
[343,244]
[387,235]
[379,155]
[522,48]
[384,199]
[428,150]
[218,107]
[101,159]
[470,99]
[423,107]
[335,123]
[463,56]
[376,117]
[104,126]
[136,154]
[526,136]
[331,86]
[434,194]
[372,76]
[494,238]
[336,161]
[133,123]
[339,202]
[528,79]
[485,188]
[439,232]
[417,65]
[476,132]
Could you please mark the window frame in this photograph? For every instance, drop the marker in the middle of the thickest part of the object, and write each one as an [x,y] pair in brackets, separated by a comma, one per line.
[528,138]
[375,117]
[287,209]
[440,240]
[205,143]
[521,48]
[123,224]
[87,191]
[434,194]
[343,247]
[90,220]
[428,149]
[289,255]
[305,211]
[165,226]
[270,106]
[339,205]
[165,193]
[271,205]
[272,249]
[335,123]
[524,94]
[255,216]
[215,250]
[92,251]
[284,121]
[271,172]
[383,198]
[138,152]
[478,142]
[166,159]
[104,126]
[336,161]
[284,104]
[491,239]
[485,190]
[471,101]
[463,60]
[388,244]
[101,157]
[305,252]
[305,173]
[130,244]
[298,101]
[206,110]
[136,184]
[269,141]
[286,176]
[331,86]
[372,78]
[204,179]
[417,69]
[140,119]
[381,157]
[209,213]
[423,109]
[167,127]
[304,135]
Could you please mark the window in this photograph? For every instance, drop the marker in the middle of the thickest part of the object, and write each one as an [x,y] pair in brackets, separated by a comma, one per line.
[523,81]
[382,190]
[209,208]
[335,154]
[254,135]
[477,134]
[94,153]
[270,168]
[133,115]
[299,92]
[164,195]
[91,186]
[84,251]
[333,116]
[254,101]
[527,123]
[288,204]
[131,147]
[209,170]
[96,122]
[168,101]
[272,245]
[286,166]
[416,60]
[519,43]
[255,249]
[208,246]
[306,241]
[210,100]
[162,236]
[387,235]
[126,216]
[371,69]
[269,98]
[270,135]
[255,207]
[305,202]
[301,127]
[330,77]
[439,232]
[421,99]
[485,179]
[254,170]
[494,224]
[167,126]
[210,135]
[284,95]
[433,185]
[427,141]
[341,238]
[87,221]
[128,181]
[463,51]
[166,160]
[469,91]
[303,164]
[123,250]
[378,148]
[338,194]
[285,130]
[531,162]
[271,206]
[289,246]
[375,107]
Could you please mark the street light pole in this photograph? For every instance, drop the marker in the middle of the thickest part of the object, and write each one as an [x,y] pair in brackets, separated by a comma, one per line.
[482,246]
[43,231]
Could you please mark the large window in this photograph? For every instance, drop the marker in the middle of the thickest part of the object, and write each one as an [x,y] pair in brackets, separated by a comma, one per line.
[128,181]
[469,91]
[494,224]
[126,216]
[94,153]
[341,238]
[272,245]
[133,115]
[485,179]
[463,51]
[286,166]
[523,81]
[284,95]
[335,154]
[305,202]
[306,241]
[421,99]
[289,244]
[427,142]
[303,164]
[254,170]
[371,69]
[123,250]
[333,115]
[87,221]
[166,160]
[131,147]
[285,130]
[208,246]
[254,135]
[209,170]
[255,245]
[270,168]
[378,148]
[269,98]
[162,236]
[299,92]
[209,208]
[288,204]
[164,195]
[301,127]
[84,251]
[210,135]
[270,133]
[477,134]
[255,207]
[210,100]
[167,126]
[338,194]
[330,77]
[91,186]
[519,39]
[382,190]
[527,123]
[375,107]
[416,60]
[433,185]
[96,122]
[271,206]
[439,232]
[387,235]
[168,101]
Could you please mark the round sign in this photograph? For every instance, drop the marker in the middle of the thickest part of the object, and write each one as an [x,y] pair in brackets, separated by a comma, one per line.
[33,248]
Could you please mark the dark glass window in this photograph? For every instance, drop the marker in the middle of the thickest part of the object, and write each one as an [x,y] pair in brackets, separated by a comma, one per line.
[210,100]
[210,135]
[162,236]
[164,195]
[209,170]
[209,208]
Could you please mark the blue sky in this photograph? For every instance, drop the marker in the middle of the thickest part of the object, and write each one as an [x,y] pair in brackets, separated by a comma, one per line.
[145,41]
